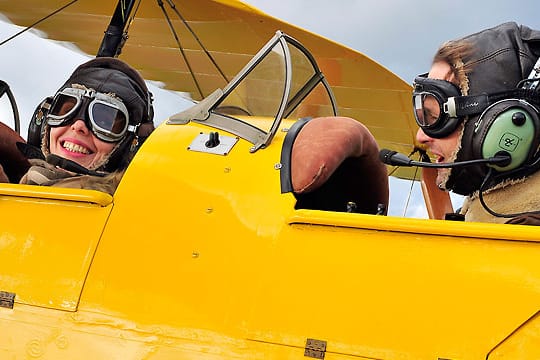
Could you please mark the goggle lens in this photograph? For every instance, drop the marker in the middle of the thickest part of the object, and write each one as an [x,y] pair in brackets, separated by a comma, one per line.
[434,106]
[427,109]
[106,116]
[63,105]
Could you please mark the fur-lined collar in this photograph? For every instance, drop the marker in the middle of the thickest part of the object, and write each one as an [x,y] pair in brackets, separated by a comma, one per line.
[514,196]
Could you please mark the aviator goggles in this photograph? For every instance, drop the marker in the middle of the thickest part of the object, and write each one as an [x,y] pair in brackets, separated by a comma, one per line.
[439,107]
[105,115]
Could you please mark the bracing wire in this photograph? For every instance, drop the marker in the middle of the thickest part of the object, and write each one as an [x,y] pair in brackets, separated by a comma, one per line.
[180,47]
[186,24]
[37,22]
[409,195]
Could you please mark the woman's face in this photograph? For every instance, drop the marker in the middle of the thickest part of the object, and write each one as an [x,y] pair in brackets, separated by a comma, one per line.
[77,143]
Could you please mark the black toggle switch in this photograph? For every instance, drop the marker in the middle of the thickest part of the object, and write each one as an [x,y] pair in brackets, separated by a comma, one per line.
[213,140]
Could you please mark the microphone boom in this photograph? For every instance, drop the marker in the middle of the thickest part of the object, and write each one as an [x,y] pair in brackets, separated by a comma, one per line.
[394,158]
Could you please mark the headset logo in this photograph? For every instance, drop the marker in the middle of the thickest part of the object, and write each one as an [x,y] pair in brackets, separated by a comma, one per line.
[470,105]
[509,142]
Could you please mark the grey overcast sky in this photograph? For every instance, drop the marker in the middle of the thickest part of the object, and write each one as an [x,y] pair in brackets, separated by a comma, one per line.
[403,37]
[400,35]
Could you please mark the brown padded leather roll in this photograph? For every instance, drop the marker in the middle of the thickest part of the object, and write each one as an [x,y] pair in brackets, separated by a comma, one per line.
[336,160]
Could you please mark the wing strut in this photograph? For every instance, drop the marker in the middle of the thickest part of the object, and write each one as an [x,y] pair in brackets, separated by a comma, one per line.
[438,202]
[116,34]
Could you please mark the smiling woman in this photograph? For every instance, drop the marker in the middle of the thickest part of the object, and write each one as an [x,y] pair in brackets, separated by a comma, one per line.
[85,136]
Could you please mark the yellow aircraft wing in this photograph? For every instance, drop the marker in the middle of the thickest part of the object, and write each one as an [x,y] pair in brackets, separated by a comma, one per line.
[229,33]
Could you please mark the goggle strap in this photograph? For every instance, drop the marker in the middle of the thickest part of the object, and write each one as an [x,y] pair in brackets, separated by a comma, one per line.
[475,104]
[466,105]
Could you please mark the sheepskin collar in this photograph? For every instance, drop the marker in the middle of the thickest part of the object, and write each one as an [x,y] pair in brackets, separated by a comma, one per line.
[513,196]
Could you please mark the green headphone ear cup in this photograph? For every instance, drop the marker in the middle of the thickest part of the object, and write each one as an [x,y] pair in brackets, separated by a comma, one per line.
[510,128]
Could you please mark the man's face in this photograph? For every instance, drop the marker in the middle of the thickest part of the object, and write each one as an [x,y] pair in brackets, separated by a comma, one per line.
[445,148]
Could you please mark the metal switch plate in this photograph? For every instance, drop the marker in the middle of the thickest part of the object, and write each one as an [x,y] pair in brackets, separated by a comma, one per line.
[226,143]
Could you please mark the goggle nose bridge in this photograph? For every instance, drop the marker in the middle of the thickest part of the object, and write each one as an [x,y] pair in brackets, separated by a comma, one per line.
[80,111]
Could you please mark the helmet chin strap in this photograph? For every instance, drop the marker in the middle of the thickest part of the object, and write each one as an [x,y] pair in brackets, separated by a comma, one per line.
[72,166]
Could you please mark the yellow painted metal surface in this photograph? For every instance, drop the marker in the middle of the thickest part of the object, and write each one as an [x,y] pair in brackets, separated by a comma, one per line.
[47,239]
[231,32]
[202,257]
[55,193]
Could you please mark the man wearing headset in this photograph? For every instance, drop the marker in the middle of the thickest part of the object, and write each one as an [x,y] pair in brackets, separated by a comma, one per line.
[91,128]
[477,102]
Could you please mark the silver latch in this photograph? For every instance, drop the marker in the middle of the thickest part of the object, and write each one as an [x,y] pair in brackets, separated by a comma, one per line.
[315,348]
[7,299]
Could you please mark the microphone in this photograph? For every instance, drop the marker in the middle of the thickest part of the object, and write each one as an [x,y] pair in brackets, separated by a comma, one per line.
[390,157]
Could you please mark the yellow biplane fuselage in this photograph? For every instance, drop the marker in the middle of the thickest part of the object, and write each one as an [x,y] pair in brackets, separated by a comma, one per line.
[200,256]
